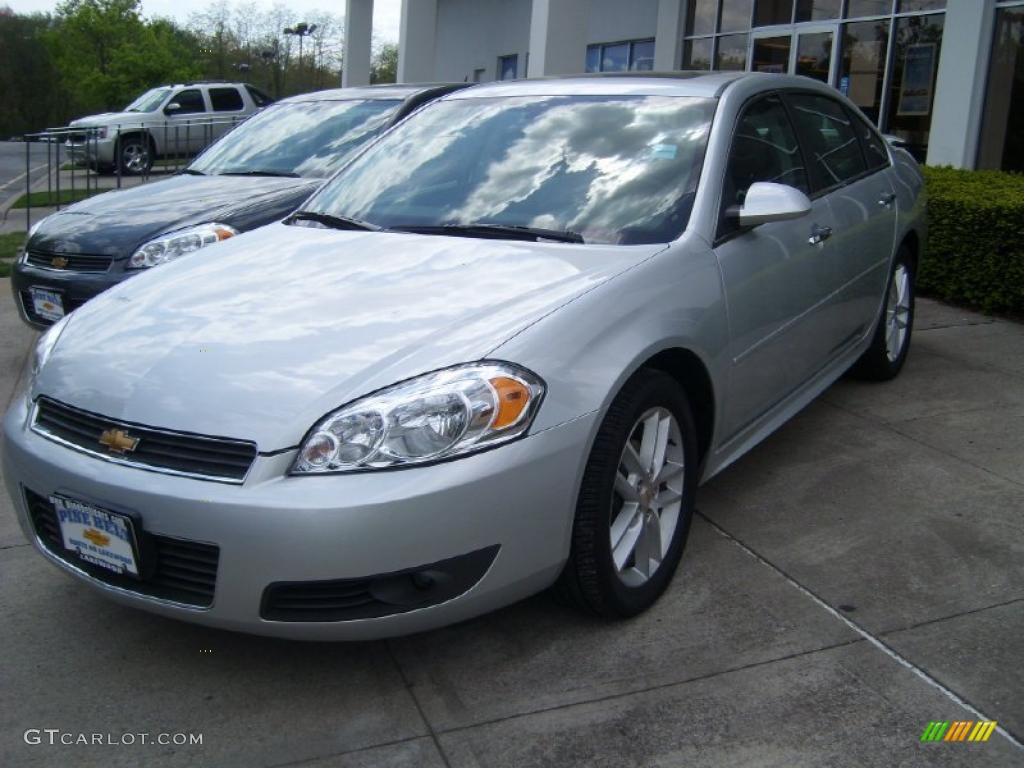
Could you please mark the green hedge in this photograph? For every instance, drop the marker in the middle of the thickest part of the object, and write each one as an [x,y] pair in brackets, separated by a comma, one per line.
[975,250]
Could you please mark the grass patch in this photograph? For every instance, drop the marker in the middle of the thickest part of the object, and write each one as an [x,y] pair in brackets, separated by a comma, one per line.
[10,246]
[47,199]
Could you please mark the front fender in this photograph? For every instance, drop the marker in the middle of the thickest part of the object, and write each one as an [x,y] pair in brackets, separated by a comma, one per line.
[586,350]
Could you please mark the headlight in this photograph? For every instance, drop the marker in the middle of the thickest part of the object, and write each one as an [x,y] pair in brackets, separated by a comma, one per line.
[174,244]
[45,345]
[437,416]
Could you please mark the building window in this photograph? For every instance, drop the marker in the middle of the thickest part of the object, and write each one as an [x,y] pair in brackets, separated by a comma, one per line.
[697,53]
[1002,127]
[731,53]
[862,65]
[817,10]
[508,67]
[916,45]
[769,12]
[630,55]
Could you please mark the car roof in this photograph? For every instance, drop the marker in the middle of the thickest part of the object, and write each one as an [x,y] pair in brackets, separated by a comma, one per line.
[699,84]
[387,91]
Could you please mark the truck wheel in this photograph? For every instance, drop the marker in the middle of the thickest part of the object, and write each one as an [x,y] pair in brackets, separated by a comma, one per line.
[135,156]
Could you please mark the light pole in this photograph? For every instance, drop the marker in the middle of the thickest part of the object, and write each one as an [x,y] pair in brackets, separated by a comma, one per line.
[302,29]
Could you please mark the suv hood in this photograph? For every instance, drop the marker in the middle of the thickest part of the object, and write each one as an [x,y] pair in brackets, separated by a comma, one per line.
[280,326]
[116,223]
[113,118]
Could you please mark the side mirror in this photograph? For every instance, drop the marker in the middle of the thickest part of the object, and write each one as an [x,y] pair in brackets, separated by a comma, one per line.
[767,201]
[172,107]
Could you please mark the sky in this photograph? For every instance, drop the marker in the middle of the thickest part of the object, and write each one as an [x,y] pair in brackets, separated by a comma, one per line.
[386,13]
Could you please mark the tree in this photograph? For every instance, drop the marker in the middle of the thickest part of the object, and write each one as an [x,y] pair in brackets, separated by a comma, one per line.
[107,54]
[29,80]
[384,68]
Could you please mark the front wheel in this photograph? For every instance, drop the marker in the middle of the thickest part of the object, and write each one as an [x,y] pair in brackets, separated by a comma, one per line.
[134,156]
[636,500]
[888,351]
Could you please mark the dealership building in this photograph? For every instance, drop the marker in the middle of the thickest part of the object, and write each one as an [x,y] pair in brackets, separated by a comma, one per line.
[946,76]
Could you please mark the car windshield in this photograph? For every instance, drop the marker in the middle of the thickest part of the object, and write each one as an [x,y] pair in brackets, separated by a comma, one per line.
[614,169]
[150,101]
[311,139]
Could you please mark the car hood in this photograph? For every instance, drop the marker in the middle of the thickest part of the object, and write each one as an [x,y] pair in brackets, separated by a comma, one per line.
[285,324]
[116,223]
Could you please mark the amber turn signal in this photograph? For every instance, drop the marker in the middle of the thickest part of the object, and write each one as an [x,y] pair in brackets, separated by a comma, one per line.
[513,397]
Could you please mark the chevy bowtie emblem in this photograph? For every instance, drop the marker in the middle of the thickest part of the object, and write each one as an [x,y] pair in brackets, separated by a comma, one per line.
[116,441]
[97,538]
[58,262]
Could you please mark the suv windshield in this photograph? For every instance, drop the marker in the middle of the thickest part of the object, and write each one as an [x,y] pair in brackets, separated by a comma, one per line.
[310,138]
[150,101]
[614,169]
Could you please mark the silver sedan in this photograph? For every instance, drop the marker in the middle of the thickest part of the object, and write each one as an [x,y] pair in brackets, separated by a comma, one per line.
[495,354]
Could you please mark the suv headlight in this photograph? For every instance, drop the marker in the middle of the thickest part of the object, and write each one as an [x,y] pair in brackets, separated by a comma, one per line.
[441,415]
[174,244]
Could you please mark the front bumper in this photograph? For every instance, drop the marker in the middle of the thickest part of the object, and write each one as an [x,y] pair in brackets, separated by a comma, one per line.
[92,150]
[75,288]
[278,529]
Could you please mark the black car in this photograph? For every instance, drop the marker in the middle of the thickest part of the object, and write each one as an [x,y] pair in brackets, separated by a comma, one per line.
[258,173]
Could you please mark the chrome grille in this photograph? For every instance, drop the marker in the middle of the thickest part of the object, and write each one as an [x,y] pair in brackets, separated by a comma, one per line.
[184,453]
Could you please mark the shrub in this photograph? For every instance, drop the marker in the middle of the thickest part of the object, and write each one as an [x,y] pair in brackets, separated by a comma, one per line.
[975,250]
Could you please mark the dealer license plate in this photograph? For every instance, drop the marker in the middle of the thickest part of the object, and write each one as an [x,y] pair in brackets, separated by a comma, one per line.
[46,303]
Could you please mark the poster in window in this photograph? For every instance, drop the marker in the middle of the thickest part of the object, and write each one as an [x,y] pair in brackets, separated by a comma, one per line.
[918,75]
[865,72]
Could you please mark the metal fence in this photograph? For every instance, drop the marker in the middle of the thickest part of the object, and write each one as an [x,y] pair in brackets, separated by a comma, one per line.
[83,161]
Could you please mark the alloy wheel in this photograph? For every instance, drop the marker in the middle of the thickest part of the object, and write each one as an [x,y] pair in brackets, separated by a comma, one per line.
[647,497]
[135,157]
[897,312]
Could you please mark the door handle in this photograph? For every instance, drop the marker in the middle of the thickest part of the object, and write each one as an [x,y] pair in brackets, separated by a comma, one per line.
[819,234]
[887,199]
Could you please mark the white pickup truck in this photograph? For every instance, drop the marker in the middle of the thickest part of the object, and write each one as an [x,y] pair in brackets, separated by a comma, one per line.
[170,120]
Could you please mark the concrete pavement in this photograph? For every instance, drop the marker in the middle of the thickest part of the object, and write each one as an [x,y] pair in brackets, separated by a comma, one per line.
[858,575]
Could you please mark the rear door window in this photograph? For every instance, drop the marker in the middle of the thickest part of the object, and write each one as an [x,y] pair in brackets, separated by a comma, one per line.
[830,142]
[226,99]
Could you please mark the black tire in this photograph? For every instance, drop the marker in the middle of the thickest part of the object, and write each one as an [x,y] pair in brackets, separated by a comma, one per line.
[135,155]
[590,580]
[877,364]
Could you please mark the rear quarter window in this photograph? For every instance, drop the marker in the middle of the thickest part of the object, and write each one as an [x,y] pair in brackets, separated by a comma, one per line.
[259,98]
[226,100]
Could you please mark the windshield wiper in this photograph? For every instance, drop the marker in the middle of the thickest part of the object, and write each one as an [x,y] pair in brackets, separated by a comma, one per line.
[191,172]
[289,174]
[495,231]
[332,221]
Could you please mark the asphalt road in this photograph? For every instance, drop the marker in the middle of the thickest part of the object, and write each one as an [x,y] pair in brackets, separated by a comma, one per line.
[854,578]
[12,166]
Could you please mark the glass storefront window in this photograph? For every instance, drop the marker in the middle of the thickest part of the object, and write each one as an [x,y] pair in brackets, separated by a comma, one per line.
[862,64]
[903,6]
[701,17]
[631,55]
[771,54]
[813,10]
[697,53]
[641,58]
[732,52]
[814,55]
[1002,127]
[857,8]
[768,12]
[736,15]
[917,43]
